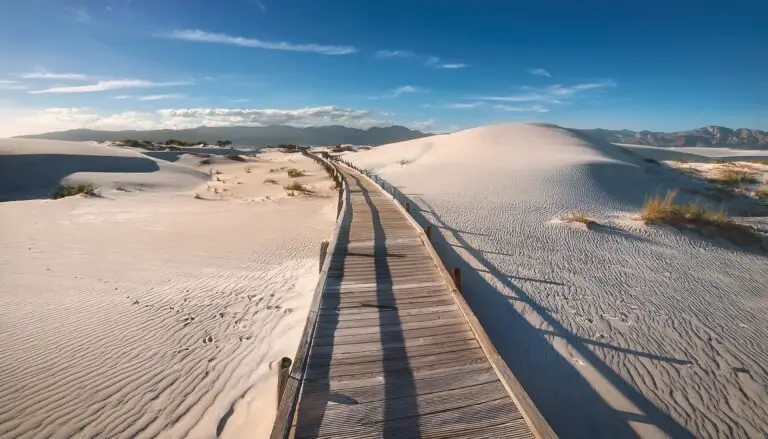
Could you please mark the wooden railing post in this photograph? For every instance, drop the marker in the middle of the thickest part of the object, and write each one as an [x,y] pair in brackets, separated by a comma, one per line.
[323,252]
[456,275]
[282,377]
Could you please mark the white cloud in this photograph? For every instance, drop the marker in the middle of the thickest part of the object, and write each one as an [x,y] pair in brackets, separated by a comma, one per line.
[28,121]
[395,54]
[209,37]
[114,84]
[43,74]
[465,105]
[531,108]
[260,5]
[8,84]
[123,97]
[79,15]
[240,101]
[553,94]
[405,89]
[452,66]
[162,97]
[539,72]
[435,61]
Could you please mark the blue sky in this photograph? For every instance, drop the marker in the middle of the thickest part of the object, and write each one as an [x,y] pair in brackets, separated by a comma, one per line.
[437,65]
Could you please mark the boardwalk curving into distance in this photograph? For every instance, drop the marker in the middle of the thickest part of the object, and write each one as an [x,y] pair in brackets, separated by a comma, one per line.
[391,350]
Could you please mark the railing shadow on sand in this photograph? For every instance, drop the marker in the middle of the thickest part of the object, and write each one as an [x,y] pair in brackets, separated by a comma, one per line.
[517,340]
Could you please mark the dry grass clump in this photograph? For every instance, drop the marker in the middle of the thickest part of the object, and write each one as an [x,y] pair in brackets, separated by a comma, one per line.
[664,210]
[235,157]
[761,193]
[68,190]
[248,169]
[270,181]
[760,161]
[404,162]
[578,217]
[207,161]
[730,176]
[295,186]
[295,173]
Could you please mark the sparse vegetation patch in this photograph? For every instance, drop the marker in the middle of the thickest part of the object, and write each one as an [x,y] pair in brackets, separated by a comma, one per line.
[295,186]
[68,190]
[295,173]
[663,210]
[580,218]
[732,177]
[270,181]
[237,158]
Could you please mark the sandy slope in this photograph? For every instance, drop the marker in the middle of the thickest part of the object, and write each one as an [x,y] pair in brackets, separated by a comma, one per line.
[147,312]
[620,331]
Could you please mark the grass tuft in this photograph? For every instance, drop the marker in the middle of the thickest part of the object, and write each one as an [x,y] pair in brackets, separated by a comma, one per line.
[68,190]
[578,217]
[295,173]
[404,162]
[248,169]
[664,210]
[295,186]
[270,181]
[761,193]
[732,177]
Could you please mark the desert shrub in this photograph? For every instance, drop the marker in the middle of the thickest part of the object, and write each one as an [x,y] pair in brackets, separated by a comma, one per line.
[296,187]
[131,142]
[270,181]
[235,157]
[207,161]
[578,217]
[175,142]
[732,176]
[761,193]
[199,154]
[760,161]
[691,171]
[718,161]
[248,169]
[295,173]
[664,210]
[173,148]
[404,162]
[68,190]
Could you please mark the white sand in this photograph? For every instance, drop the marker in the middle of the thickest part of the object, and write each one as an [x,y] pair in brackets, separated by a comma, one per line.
[618,331]
[147,312]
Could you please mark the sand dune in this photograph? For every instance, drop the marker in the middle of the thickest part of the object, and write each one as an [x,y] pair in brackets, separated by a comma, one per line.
[623,330]
[146,312]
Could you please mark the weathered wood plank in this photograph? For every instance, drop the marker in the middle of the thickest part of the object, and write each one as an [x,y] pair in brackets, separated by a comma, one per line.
[393,352]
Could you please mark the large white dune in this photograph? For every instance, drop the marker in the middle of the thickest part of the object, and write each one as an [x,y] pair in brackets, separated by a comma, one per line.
[147,312]
[618,331]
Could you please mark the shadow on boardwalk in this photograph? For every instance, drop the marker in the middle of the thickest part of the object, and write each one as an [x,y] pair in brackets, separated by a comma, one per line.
[534,360]
[397,371]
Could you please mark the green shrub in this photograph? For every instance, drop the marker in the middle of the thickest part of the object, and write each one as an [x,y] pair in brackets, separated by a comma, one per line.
[68,190]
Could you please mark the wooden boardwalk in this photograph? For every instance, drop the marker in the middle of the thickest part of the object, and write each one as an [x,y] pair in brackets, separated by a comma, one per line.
[389,350]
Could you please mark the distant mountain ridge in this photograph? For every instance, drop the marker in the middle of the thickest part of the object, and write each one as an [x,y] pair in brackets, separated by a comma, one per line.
[247,136]
[709,136]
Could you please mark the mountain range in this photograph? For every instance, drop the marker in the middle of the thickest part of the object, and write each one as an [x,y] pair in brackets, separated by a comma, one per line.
[709,136]
[250,136]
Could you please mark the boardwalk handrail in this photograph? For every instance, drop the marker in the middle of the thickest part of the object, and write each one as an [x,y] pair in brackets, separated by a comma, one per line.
[538,425]
[288,402]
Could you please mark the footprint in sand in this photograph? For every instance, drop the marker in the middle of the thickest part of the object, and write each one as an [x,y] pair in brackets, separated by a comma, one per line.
[287,310]
[208,339]
[245,337]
